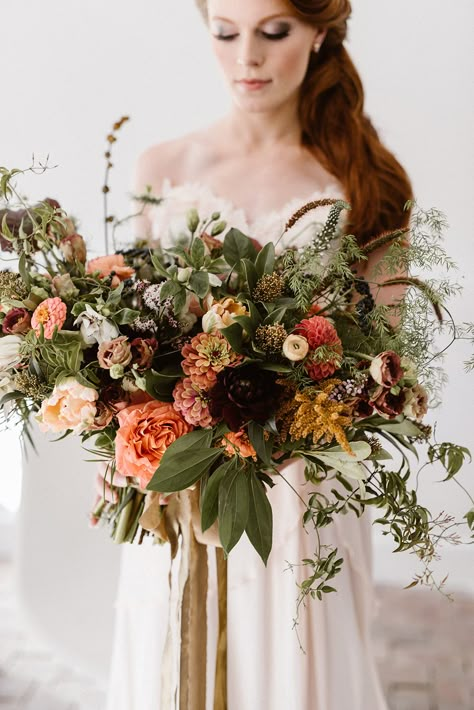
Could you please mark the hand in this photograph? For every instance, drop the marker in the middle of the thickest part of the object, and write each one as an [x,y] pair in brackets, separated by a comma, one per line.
[105,491]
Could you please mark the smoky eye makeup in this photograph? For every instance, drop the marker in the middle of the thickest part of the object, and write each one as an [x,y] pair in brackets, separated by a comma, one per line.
[275,32]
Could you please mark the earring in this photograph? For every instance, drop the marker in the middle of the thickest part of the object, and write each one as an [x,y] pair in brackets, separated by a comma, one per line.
[316,47]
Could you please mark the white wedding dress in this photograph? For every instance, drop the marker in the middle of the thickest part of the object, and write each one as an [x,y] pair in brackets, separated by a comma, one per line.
[267,668]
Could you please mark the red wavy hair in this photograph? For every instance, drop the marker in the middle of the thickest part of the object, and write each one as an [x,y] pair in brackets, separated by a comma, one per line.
[338,132]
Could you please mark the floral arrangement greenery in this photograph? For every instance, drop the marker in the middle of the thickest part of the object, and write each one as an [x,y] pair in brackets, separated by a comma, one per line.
[208,366]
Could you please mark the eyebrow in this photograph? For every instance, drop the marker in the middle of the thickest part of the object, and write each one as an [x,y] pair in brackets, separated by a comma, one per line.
[265,19]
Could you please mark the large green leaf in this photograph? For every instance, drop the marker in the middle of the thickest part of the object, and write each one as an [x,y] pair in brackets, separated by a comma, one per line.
[197,253]
[199,283]
[237,246]
[234,335]
[265,261]
[210,497]
[259,526]
[182,470]
[233,508]
[250,272]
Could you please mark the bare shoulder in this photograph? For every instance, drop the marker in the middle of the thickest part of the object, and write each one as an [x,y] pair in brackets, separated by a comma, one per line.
[179,159]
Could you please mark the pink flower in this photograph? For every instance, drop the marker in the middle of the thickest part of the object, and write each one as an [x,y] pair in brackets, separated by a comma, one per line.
[70,406]
[50,313]
[114,352]
[192,401]
[113,264]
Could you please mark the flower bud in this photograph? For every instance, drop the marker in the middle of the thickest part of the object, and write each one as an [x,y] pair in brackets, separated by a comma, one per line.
[295,348]
[35,297]
[63,287]
[184,274]
[218,228]
[192,219]
[73,248]
[215,215]
[116,372]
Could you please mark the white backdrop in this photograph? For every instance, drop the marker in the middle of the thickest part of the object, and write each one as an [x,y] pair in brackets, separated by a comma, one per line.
[70,69]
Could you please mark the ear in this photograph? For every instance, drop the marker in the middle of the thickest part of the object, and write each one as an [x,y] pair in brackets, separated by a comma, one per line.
[320,36]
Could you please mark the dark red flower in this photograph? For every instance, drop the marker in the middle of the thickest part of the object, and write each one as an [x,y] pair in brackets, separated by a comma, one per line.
[388,404]
[18,320]
[143,350]
[244,394]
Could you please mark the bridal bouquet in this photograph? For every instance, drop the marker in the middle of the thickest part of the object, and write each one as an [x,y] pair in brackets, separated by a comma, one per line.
[198,371]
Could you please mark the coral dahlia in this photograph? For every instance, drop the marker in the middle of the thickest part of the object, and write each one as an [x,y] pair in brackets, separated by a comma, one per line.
[318,331]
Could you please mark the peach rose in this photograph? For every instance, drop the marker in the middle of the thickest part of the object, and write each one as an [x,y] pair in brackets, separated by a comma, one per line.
[70,406]
[105,265]
[114,352]
[145,432]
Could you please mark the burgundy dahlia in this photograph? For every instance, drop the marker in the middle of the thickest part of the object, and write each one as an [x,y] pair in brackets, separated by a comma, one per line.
[243,394]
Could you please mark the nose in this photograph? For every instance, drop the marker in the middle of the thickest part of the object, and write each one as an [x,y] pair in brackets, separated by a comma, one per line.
[249,53]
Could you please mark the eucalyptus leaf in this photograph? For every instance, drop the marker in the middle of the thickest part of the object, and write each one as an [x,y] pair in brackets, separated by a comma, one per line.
[199,283]
[197,253]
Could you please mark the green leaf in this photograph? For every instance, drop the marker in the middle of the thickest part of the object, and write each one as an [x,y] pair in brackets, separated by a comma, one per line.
[237,246]
[199,283]
[182,469]
[160,385]
[233,508]
[234,335]
[262,446]
[259,526]
[276,316]
[23,270]
[114,296]
[159,267]
[250,274]
[265,261]
[170,289]
[197,253]
[246,324]
[125,316]
[210,498]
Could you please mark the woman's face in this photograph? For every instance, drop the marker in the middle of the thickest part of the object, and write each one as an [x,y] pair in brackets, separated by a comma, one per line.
[261,40]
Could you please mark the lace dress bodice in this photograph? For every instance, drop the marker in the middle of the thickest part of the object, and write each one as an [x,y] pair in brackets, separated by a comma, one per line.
[168,219]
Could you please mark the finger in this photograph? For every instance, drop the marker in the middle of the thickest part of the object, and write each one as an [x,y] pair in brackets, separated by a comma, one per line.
[104,490]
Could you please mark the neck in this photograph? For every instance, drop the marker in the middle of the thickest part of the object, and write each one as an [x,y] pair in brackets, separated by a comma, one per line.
[265,130]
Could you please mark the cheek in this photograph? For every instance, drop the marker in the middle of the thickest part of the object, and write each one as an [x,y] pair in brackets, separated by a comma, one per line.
[292,63]
[224,55]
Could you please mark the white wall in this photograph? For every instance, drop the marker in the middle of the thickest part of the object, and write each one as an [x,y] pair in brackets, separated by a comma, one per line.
[70,69]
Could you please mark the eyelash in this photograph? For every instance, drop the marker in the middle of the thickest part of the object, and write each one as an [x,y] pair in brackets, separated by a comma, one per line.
[280,35]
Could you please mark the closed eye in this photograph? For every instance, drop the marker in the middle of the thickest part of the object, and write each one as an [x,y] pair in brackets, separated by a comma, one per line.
[267,35]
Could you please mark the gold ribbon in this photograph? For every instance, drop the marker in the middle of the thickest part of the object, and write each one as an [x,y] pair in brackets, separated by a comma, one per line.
[182,518]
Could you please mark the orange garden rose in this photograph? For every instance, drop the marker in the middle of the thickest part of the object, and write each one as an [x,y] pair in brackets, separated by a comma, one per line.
[115,263]
[145,432]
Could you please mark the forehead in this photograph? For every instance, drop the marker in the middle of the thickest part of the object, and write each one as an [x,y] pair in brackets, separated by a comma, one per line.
[248,11]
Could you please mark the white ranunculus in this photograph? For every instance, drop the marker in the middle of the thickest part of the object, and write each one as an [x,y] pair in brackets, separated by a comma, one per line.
[295,348]
[95,328]
[10,351]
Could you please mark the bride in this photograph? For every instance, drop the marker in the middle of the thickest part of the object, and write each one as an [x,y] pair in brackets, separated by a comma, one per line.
[296,131]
